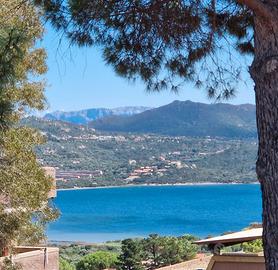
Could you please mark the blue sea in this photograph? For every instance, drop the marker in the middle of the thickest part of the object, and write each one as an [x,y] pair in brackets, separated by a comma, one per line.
[103,214]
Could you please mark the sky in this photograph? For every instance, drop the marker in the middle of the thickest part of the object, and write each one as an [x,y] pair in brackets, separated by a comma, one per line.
[78,78]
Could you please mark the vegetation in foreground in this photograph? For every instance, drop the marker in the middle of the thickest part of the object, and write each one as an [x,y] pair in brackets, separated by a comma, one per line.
[24,187]
[140,254]
[137,254]
[248,247]
[73,253]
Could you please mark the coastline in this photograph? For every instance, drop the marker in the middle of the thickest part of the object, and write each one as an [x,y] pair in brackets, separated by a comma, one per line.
[160,185]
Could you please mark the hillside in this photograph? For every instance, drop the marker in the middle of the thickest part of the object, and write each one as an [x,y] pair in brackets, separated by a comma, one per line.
[86,116]
[85,157]
[186,118]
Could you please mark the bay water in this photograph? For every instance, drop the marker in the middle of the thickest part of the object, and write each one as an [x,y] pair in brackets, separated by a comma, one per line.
[104,214]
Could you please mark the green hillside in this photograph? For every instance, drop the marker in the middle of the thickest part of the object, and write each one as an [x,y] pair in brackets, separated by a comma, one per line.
[84,157]
[186,118]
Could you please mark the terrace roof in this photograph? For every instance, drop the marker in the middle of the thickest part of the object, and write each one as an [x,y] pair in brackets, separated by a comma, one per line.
[233,238]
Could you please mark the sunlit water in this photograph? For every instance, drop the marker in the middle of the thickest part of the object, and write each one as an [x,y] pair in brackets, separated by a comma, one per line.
[96,215]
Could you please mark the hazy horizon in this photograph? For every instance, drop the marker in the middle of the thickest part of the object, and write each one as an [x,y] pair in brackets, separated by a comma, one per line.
[111,108]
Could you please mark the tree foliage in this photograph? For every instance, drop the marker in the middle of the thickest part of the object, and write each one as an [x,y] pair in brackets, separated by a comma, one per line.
[162,251]
[24,187]
[131,256]
[156,251]
[253,246]
[160,40]
[65,265]
[97,261]
[164,43]
[8,264]
[19,59]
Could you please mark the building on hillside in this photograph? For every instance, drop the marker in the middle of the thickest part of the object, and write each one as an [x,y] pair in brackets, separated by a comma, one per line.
[234,260]
[74,175]
[35,258]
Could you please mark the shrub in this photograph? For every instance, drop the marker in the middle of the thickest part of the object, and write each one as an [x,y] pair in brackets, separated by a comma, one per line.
[253,246]
[97,261]
[65,265]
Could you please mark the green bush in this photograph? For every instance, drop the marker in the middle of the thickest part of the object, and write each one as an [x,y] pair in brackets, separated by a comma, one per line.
[253,246]
[97,261]
[65,265]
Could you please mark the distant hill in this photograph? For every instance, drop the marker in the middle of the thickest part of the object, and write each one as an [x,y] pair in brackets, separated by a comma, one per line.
[186,118]
[86,157]
[86,116]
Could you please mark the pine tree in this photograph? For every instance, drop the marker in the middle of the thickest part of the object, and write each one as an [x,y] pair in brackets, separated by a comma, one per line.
[167,42]
[131,255]
[24,187]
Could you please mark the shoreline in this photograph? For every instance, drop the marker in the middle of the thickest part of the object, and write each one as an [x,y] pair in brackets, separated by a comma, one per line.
[160,185]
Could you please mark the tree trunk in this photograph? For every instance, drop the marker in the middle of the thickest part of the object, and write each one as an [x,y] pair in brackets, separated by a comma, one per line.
[264,71]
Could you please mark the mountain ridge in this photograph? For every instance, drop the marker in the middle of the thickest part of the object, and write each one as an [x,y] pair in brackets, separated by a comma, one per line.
[187,118]
[87,115]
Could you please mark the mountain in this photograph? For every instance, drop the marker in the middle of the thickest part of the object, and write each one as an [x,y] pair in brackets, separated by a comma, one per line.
[187,118]
[86,116]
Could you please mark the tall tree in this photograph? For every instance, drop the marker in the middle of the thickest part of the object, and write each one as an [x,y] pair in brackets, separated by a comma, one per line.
[153,246]
[163,250]
[24,187]
[161,41]
[131,256]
